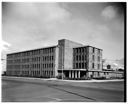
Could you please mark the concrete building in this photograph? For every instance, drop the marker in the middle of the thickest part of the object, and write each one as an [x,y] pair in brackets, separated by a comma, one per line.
[34,63]
[72,59]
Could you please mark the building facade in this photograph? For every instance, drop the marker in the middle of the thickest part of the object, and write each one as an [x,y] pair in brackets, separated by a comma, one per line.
[69,58]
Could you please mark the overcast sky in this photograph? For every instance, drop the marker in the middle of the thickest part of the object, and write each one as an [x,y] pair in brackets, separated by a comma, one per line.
[34,25]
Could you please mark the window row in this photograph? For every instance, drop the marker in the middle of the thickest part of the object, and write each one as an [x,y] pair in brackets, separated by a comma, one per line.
[93,66]
[9,61]
[35,59]
[50,65]
[13,66]
[47,58]
[80,57]
[93,58]
[80,65]
[18,61]
[80,50]
[32,52]
[94,50]
[42,73]
[32,73]
[36,66]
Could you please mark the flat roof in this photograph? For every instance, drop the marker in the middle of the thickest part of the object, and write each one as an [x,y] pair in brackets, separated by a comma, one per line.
[73,69]
[105,71]
[32,50]
[90,70]
[72,41]
[52,46]
[87,46]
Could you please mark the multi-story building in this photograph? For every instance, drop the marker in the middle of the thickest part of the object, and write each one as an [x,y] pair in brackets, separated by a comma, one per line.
[72,59]
[35,63]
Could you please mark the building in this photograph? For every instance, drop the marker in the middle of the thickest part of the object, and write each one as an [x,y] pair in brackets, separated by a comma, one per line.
[71,59]
[33,63]
[68,57]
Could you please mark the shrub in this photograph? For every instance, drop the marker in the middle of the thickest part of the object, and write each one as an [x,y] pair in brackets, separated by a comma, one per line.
[99,78]
[59,76]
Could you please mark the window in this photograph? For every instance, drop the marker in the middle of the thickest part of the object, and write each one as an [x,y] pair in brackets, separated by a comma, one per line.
[47,65]
[83,58]
[98,66]
[52,73]
[76,65]
[79,57]
[98,58]
[98,51]
[93,58]
[98,74]
[48,58]
[51,49]
[93,50]
[83,50]
[83,65]
[39,66]
[77,50]
[92,65]
[52,57]
[79,65]
[52,65]
[42,65]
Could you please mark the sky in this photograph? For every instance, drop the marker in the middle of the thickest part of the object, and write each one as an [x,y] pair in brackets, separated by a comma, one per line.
[34,25]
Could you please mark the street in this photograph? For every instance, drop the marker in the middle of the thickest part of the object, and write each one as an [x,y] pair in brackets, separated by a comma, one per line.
[20,91]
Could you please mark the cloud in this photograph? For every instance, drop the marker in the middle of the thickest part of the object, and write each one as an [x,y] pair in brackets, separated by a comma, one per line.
[32,23]
[109,12]
[46,23]
[5,45]
[43,12]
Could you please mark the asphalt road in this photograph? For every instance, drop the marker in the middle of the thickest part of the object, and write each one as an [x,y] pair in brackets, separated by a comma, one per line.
[19,91]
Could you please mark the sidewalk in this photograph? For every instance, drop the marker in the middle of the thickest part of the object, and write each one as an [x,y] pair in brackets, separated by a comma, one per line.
[92,80]
[55,79]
